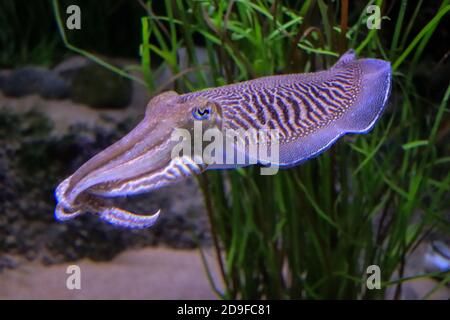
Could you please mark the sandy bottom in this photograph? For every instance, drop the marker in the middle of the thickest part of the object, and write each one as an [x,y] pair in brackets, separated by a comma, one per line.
[150,273]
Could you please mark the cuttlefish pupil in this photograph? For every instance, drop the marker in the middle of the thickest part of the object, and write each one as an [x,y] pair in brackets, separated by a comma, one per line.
[310,111]
[201,114]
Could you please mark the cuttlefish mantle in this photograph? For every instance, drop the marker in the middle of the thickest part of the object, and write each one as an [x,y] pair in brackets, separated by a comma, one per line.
[310,111]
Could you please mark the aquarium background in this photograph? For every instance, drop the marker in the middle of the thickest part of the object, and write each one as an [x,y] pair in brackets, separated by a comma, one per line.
[309,232]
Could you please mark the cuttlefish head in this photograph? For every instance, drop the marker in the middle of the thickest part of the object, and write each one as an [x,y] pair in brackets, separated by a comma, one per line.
[139,162]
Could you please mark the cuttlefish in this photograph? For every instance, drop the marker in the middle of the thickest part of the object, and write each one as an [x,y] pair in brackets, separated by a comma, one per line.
[310,111]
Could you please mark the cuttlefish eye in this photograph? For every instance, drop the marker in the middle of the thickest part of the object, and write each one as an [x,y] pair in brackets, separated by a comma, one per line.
[202,113]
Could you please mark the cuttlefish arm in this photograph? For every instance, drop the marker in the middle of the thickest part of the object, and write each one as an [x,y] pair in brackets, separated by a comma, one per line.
[139,162]
[91,201]
[310,111]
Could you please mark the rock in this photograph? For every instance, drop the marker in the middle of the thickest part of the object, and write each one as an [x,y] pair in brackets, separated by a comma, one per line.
[4,74]
[69,67]
[7,262]
[35,80]
[100,88]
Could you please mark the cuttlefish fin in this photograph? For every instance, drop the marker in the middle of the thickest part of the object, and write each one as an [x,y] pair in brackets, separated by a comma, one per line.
[360,116]
[346,58]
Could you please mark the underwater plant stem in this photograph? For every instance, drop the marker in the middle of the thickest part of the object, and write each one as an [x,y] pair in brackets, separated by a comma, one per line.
[428,28]
[344,25]
[204,183]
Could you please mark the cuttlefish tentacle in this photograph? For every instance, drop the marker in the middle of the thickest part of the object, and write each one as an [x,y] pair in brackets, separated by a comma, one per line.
[310,111]
[117,215]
